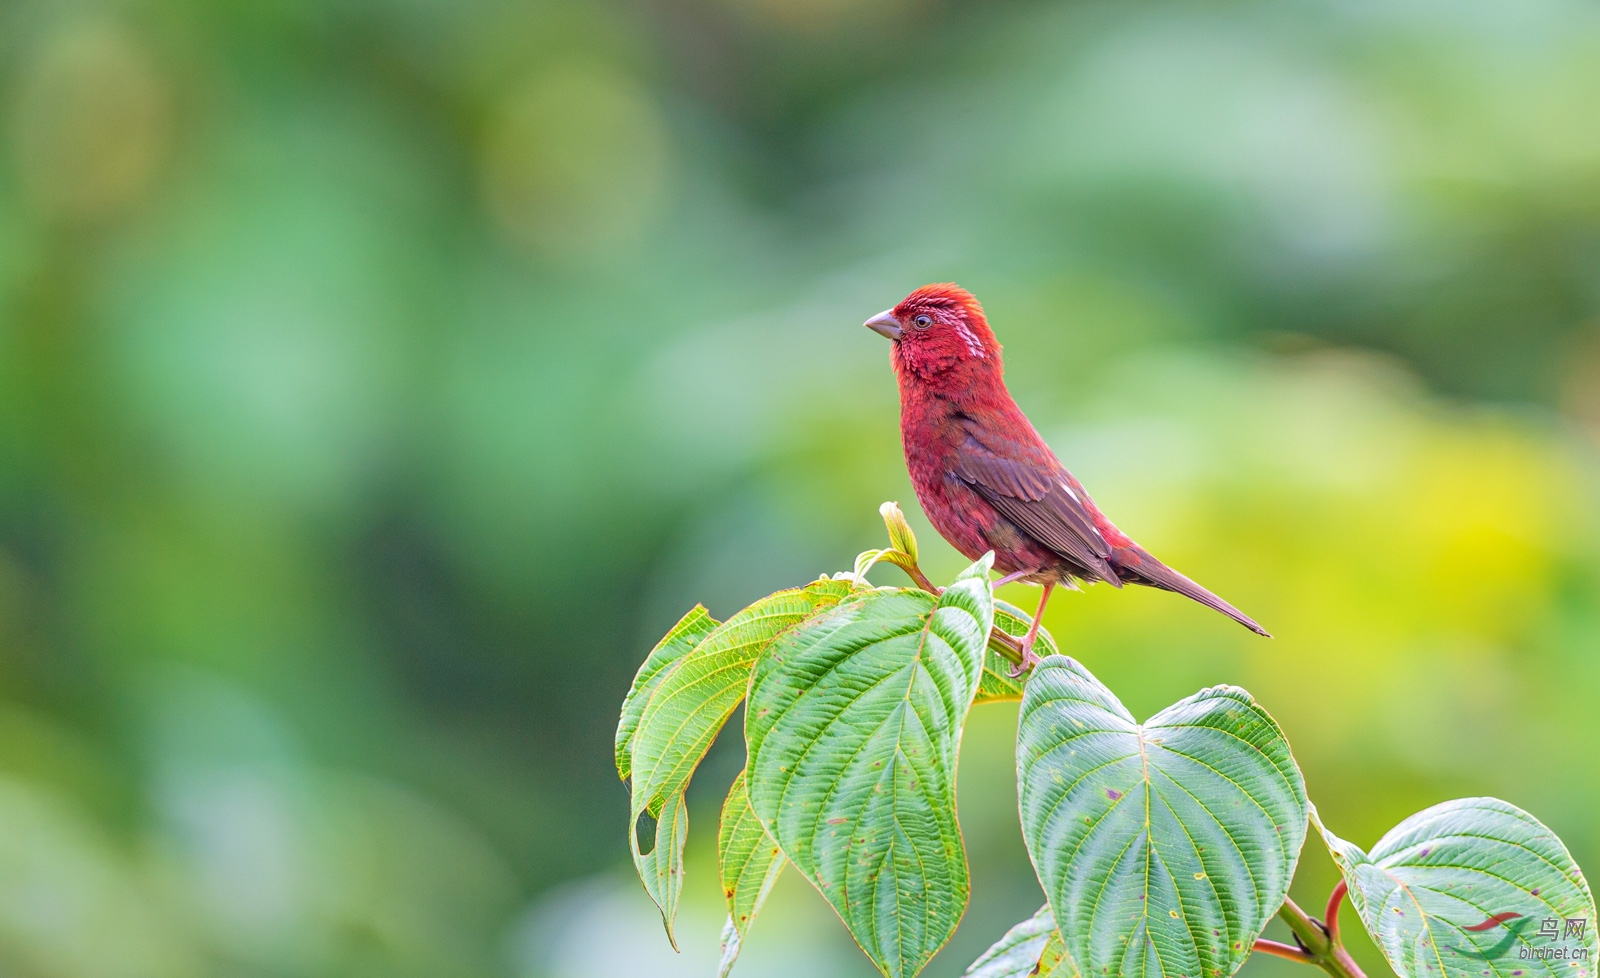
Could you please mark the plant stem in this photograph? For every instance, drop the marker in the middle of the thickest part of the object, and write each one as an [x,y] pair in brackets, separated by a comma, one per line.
[1282,950]
[1009,647]
[1319,943]
[1330,917]
[922,579]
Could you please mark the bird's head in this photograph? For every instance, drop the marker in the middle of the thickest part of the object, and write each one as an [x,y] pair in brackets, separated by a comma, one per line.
[936,329]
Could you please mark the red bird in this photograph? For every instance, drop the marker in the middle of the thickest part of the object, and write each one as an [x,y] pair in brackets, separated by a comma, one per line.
[986,479]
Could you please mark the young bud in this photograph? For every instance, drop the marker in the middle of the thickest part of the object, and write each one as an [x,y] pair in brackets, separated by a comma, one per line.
[900,536]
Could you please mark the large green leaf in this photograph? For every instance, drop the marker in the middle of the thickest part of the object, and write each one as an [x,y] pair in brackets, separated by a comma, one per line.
[682,715]
[677,643]
[997,684]
[751,862]
[1164,847]
[853,727]
[1016,955]
[1465,888]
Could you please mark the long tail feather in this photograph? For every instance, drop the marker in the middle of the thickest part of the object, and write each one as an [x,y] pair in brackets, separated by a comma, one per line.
[1137,566]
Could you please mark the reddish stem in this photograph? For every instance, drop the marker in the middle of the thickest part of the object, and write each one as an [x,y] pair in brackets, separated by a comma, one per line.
[1330,917]
[1283,951]
[915,573]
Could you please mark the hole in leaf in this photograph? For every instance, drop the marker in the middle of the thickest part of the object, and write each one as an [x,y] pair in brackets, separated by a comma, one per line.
[644,834]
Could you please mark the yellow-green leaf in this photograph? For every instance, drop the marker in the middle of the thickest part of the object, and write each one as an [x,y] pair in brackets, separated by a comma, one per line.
[677,643]
[684,712]
[751,863]
[900,536]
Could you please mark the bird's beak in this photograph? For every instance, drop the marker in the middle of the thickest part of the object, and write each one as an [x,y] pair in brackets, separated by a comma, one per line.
[885,324]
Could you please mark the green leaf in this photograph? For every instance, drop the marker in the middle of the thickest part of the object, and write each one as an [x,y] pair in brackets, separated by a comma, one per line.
[1164,848]
[1455,867]
[1016,955]
[697,693]
[661,869]
[867,559]
[900,536]
[678,642]
[1051,958]
[853,727]
[864,562]
[751,862]
[683,714]
[997,684]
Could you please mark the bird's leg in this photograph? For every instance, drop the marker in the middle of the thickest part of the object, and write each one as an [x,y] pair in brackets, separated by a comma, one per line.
[1028,658]
[1013,576]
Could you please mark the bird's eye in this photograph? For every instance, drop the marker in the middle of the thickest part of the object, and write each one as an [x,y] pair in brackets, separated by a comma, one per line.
[922,322]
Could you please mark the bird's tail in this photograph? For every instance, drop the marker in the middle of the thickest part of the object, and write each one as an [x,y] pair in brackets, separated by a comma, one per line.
[1136,566]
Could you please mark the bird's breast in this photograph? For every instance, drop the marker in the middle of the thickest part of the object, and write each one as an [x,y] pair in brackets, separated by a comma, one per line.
[932,434]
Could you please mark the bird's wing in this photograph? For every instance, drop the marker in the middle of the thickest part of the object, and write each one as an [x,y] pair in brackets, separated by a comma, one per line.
[1035,495]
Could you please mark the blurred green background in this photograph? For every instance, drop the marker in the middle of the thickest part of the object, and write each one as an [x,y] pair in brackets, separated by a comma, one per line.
[379,379]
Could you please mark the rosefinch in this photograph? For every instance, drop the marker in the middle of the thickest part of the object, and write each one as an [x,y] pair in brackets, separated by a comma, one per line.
[984,476]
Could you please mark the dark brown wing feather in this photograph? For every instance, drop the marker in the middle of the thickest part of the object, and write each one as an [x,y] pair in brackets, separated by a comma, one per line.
[1035,496]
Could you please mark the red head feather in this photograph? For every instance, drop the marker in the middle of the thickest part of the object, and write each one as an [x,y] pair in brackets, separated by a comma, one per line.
[944,330]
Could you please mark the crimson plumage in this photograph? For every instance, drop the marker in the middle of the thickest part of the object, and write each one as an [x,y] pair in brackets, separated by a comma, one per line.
[985,478]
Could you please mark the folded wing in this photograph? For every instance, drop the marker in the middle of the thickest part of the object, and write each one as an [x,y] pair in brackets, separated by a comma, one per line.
[1034,494]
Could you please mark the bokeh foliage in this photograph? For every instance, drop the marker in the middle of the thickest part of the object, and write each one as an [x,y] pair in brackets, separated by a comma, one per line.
[378,380]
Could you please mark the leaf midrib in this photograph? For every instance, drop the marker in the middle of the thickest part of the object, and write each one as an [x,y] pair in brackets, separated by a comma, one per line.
[894,795]
[1433,941]
[811,744]
[1279,777]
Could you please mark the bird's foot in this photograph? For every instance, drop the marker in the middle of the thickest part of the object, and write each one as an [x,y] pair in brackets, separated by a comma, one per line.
[1029,660]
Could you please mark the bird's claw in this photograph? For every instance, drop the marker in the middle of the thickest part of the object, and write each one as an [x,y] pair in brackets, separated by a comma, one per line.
[1029,660]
